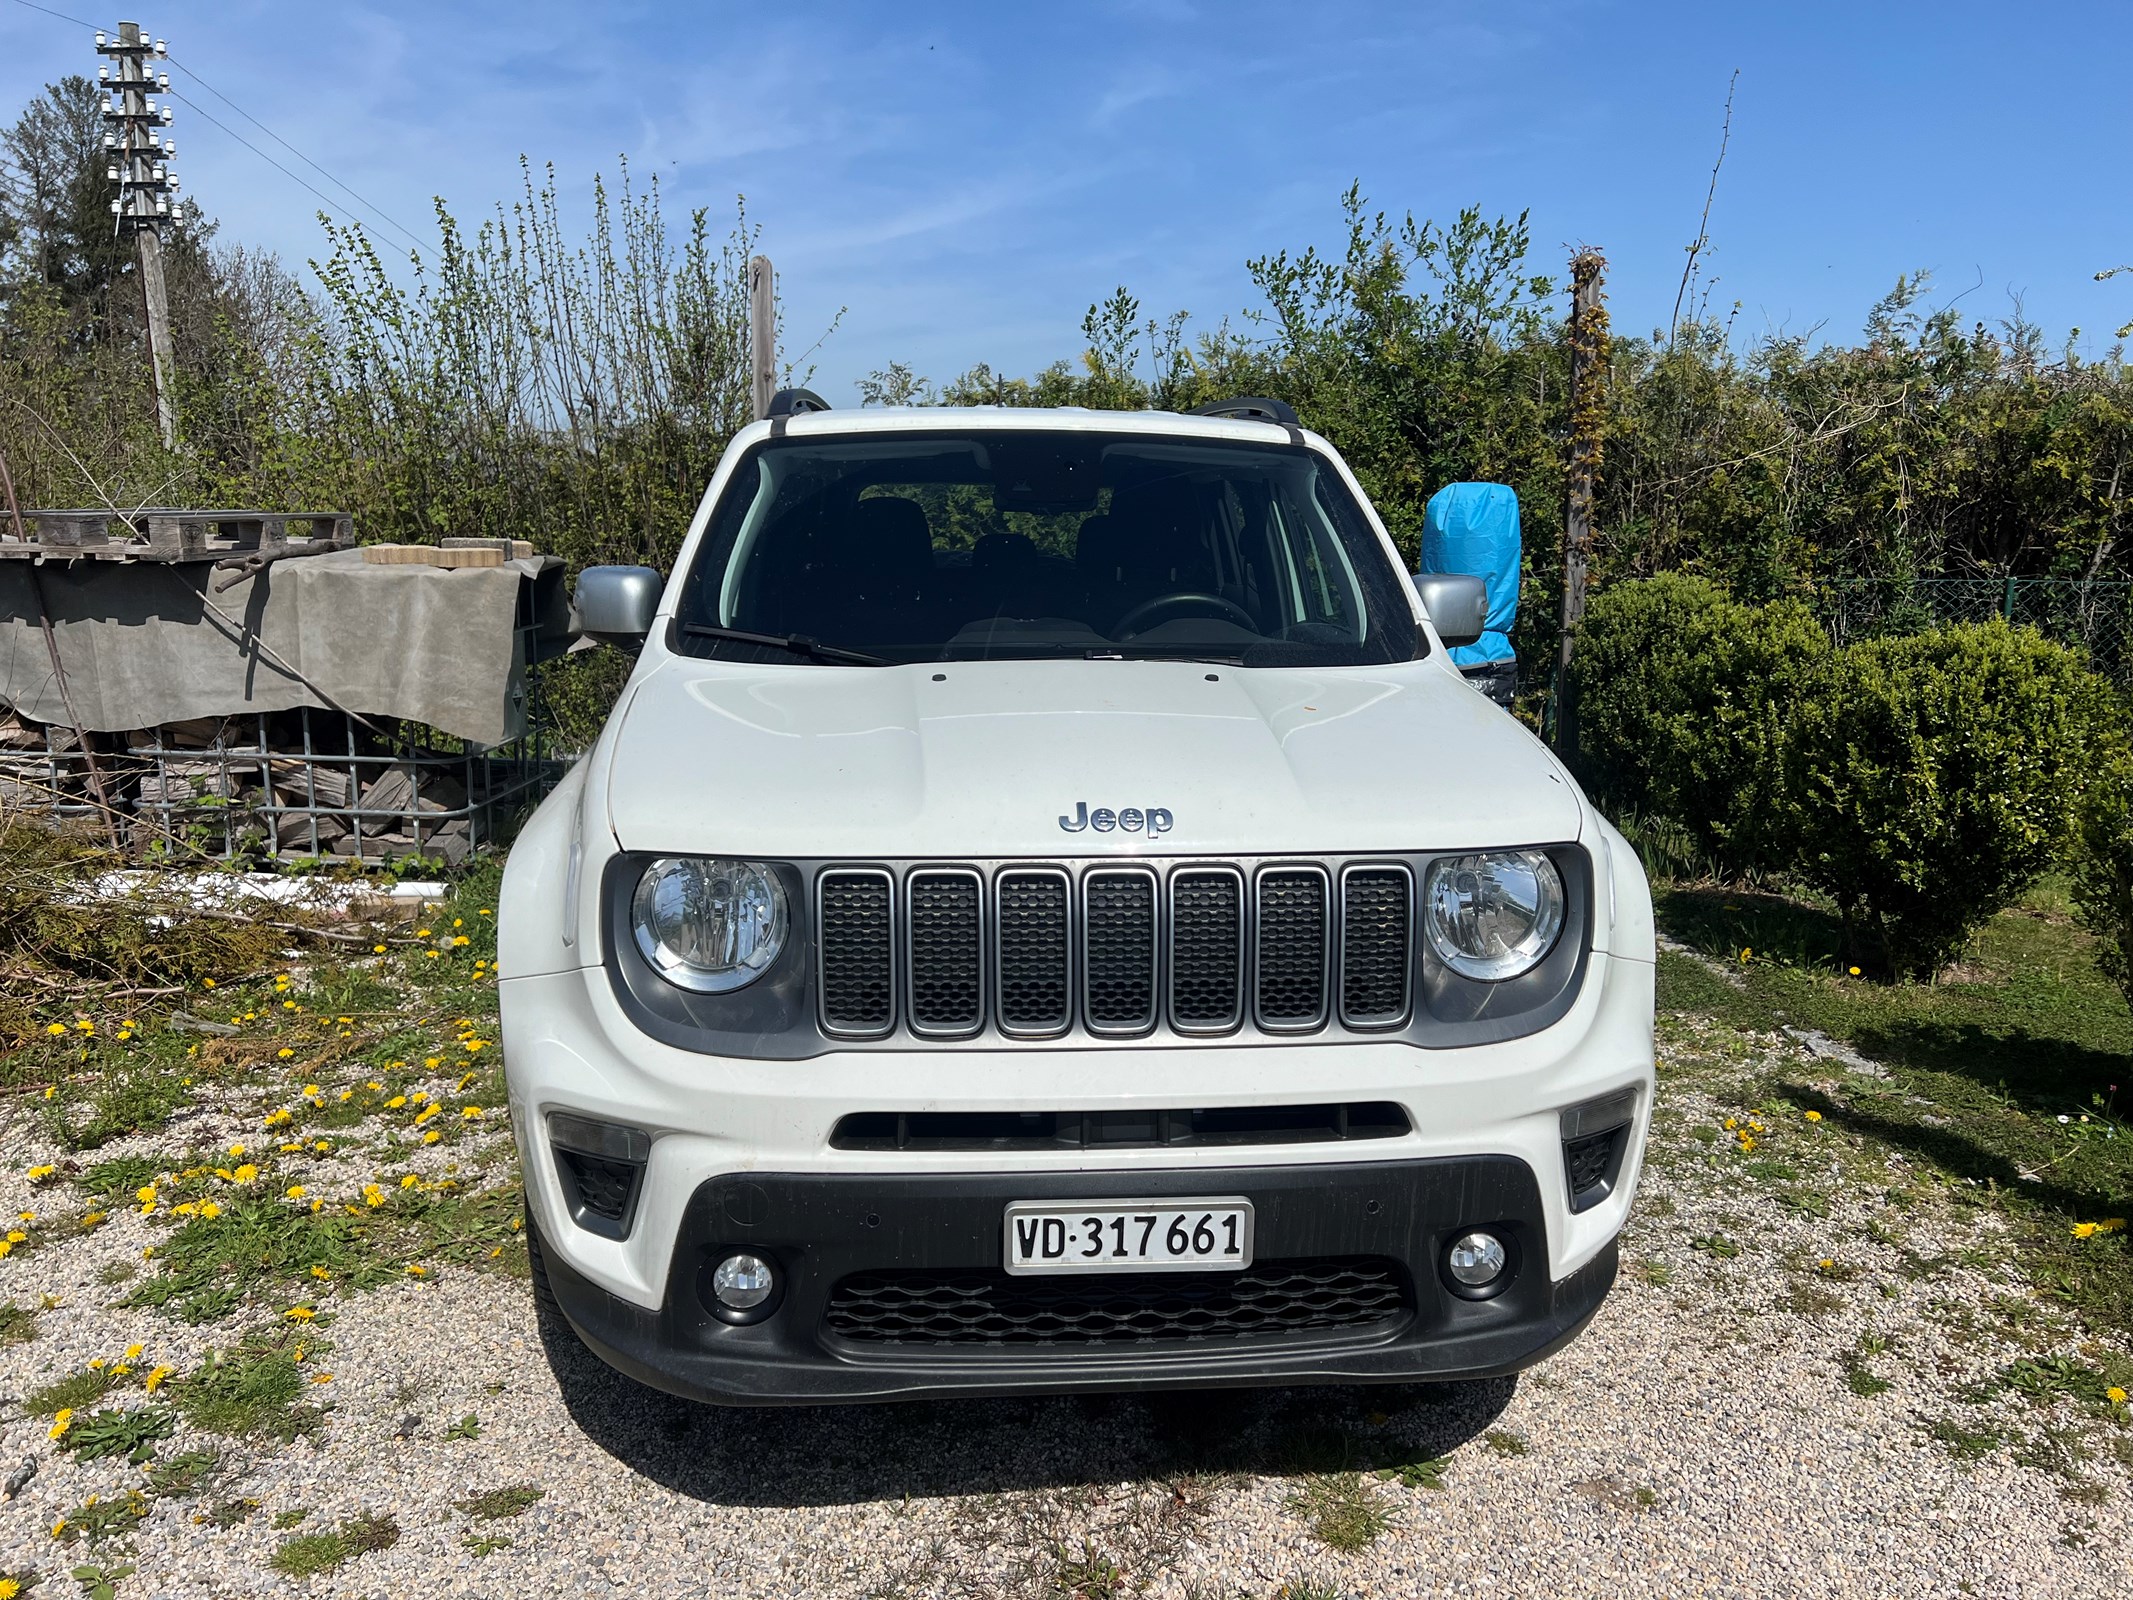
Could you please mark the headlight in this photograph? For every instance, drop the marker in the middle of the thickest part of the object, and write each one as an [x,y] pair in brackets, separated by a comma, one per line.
[1496,915]
[708,925]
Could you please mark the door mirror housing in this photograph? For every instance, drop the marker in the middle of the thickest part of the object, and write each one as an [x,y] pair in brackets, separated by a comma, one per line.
[1457,604]
[615,605]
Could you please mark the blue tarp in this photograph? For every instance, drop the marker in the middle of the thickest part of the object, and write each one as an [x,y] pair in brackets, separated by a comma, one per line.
[1473,528]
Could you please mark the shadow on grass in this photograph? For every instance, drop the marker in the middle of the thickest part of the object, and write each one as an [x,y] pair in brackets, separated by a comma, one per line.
[1723,922]
[839,1455]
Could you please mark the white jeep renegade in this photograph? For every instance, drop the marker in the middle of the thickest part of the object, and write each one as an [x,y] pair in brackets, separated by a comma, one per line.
[1046,914]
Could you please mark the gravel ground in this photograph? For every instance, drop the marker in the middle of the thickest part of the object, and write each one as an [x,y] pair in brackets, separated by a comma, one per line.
[1702,1438]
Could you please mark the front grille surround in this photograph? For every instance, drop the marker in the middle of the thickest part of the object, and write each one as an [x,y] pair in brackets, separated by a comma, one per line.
[1245,950]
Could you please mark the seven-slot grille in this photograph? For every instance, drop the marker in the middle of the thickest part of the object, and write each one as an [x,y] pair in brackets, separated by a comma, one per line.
[1120,949]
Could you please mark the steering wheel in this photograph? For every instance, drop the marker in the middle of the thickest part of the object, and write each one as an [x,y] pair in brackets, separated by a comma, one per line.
[1187,599]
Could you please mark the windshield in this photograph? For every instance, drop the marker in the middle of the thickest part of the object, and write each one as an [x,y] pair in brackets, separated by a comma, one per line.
[1008,543]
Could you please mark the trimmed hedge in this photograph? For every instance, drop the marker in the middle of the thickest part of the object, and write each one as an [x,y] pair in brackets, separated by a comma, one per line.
[1682,699]
[1936,779]
[2103,870]
[1921,782]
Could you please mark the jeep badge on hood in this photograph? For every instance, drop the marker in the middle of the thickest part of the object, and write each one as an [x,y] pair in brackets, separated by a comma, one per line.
[1155,819]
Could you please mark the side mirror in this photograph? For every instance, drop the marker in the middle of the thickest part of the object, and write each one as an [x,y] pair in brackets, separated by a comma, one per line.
[1457,604]
[615,605]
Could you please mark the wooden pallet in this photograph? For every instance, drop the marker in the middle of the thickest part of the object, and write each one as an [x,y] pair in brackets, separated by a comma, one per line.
[166,535]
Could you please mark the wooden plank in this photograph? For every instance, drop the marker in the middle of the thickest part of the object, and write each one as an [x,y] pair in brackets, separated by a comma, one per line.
[428,555]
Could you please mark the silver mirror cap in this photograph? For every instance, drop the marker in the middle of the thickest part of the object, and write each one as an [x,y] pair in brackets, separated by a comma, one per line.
[617,604]
[1457,604]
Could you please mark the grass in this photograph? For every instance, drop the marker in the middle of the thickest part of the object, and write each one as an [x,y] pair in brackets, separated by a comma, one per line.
[1345,1510]
[254,1390]
[309,1554]
[493,1505]
[75,1392]
[1991,1070]
[18,1324]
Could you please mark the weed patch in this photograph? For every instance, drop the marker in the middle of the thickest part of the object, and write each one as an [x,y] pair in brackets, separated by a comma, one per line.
[253,1390]
[493,1505]
[1345,1510]
[309,1554]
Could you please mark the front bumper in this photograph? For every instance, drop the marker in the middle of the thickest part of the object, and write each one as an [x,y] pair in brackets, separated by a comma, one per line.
[822,1229]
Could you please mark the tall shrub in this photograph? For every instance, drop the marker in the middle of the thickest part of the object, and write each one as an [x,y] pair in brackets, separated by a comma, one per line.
[1682,701]
[2103,869]
[1935,778]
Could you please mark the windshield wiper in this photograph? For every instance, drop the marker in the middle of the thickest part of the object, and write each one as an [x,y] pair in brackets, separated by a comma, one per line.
[797,643]
[1127,652]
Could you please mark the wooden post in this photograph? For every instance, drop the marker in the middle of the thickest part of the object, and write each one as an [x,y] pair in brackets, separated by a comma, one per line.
[762,334]
[158,301]
[1588,381]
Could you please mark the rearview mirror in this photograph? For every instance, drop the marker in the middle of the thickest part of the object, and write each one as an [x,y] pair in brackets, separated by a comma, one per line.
[1457,605]
[616,604]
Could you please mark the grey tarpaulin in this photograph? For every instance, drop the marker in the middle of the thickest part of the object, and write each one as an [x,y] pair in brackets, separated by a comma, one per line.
[149,642]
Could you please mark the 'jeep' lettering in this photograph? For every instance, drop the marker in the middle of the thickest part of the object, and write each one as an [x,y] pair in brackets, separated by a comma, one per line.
[1134,819]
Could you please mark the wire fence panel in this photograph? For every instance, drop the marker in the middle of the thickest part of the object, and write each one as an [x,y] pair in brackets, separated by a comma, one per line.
[2094,615]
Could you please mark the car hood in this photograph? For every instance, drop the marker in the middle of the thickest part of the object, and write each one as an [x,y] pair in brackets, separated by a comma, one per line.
[985,759]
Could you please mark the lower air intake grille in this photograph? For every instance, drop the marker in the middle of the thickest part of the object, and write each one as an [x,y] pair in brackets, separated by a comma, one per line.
[986,1307]
[1292,948]
[1118,951]
[858,978]
[1589,1164]
[1206,950]
[1035,984]
[1374,961]
[947,973]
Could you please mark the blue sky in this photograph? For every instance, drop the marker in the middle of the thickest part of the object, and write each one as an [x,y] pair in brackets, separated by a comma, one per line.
[965,179]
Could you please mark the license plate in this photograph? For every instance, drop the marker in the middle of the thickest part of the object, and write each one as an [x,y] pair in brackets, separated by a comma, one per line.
[1045,1236]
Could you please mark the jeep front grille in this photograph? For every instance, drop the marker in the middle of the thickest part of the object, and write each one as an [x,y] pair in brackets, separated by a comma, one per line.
[1114,950]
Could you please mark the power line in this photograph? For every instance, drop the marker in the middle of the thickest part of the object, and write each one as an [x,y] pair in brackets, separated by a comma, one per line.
[328,201]
[404,231]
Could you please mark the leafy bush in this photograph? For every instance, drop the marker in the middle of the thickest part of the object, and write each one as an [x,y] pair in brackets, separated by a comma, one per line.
[2103,870]
[1933,780]
[1682,698]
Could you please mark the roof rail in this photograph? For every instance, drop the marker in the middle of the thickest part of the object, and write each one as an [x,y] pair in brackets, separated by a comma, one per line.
[795,403]
[1250,408]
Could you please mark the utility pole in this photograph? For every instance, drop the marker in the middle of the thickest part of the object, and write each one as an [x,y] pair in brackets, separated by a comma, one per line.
[1588,382]
[136,160]
[762,334]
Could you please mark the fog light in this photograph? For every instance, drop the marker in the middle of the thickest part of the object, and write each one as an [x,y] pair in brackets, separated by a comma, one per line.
[1476,1259]
[743,1282]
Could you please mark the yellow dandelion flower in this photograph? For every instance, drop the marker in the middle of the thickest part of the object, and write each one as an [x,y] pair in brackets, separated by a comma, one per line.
[2115,1395]
[377,949]
[422,933]
[57,1030]
[146,1191]
[39,1174]
[462,939]
[133,1351]
[396,1102]
[16,1236]
[425,1114]
[471,1112]
[293,1147]
[322,1146]
[483,912]
[288,1005]
[434,1062]
[373,1196]
[284,1053]
[321,1272]
[300,1313]
[322,1377]
[2111,1225]
[431,954]
[210,1210]
[2086,1230]
[418,1272]
[210,982]
[7,1248]
[154,1380]
[295,1191]
[432,1136]
[1747,1143]
[1814,1116]
[92,1219]
[318,1205]
[62,1420]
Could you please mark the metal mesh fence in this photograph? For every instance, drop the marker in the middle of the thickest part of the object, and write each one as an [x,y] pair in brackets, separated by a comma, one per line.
[2094,615]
